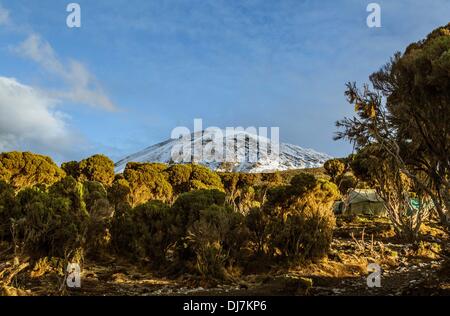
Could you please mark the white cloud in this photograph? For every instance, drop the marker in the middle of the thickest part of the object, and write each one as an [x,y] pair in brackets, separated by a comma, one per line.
[30,121]
[83,86]
[4,16]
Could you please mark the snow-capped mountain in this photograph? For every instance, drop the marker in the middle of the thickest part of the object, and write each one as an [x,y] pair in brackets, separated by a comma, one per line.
[221,150]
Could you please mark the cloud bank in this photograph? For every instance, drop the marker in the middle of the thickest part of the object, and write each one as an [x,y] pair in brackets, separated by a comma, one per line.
[28,118]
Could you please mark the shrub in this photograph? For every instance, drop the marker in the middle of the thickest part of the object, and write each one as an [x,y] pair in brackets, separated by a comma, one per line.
[185,178]
[100,213]
[297,221]
[66,220]
[347,182]
[51,224]
[24,169]
[211,233]
[9,210]
[95,168]
[145,232]
[71,168]
[334,168]
[257,222]
[304,230]
[119,192]
[146,182]
[188,205]
[179,176]
[209,179]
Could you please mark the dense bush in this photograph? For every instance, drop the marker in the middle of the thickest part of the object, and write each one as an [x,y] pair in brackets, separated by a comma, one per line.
[179,218]
[9,209]
[52,225]
[145,232]
[211,233]
[334,168]
[24,169]
[245,191]
[96,168]
[185,178]
[146,182]
[100,213]
[66,219]
[346,182]
[119,192]
[297,221]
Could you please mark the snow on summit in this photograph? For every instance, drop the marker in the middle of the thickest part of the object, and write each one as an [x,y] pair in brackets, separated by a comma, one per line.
[237,151]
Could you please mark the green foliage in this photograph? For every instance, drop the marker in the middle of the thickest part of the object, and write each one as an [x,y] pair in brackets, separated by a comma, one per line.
[146,182]
[245,191]
[188,205]
[71,168]
[406,113]
[179,177]
[185,178]
[145,232]
[304,229]
[213,242]
[347,182]
[100,213]
[24,169]
[257,222]
[60,221]
[119,192]
[208,178]
[52,225]
[97,168]
[230,181]
[249,179]
[71,189]
[204,232]
[297,221]
[9,210]
[285,195]
[334,168]
[272,178]
[211,233]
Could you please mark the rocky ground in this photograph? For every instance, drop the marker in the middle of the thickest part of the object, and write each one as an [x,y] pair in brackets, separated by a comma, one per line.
[406,269]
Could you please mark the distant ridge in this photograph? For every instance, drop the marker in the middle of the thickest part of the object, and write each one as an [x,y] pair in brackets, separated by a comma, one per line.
[290,156]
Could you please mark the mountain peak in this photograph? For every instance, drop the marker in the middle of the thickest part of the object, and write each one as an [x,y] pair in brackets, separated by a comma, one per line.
[229,150]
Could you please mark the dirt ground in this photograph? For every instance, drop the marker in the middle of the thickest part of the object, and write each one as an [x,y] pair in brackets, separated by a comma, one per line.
[406,269]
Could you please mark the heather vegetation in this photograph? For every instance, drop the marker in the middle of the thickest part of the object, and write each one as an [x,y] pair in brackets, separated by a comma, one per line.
[173,218]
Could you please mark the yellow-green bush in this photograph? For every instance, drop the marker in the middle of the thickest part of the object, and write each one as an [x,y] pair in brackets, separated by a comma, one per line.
[95,168]
[146,182]
[145,232]
[188,177]
[100,213]
[51,225]
[297,221]
[9,210]
[25,169]
[211,234]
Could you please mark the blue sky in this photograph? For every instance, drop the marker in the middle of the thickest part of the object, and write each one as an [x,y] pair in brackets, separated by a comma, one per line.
[136,69]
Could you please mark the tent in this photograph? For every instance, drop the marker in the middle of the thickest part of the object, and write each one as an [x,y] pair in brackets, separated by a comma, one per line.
[363,202]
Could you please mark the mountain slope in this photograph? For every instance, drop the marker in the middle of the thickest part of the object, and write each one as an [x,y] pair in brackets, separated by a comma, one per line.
[238,151]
